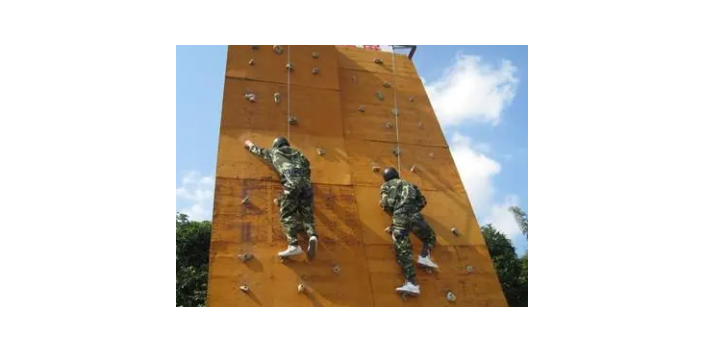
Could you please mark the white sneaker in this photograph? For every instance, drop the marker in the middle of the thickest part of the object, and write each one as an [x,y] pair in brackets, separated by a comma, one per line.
[291,251]
[409,288]
[312,246]
[426,261]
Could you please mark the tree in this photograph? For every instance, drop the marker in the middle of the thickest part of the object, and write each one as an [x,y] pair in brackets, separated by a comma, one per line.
[521,219]
[508,267]
[192,247]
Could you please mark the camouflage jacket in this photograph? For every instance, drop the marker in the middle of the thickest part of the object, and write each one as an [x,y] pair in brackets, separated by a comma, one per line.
[291,164]
[401,197]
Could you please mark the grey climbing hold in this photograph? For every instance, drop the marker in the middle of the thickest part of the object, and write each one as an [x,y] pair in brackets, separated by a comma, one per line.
[301,288]
[376,168]
[255,47]
[251,62]
[315,54]
[354,78]
[277,97]
[411,99]
[451,296]
[388,124]
[388,230]
[278,50]
[380,95]
[290,66]
[378,61]
[397,151]
[245,200]
[244,288]
[432,155]
[455,231]
[316,70]
[414,168]
[420,124]
[470,268]
[394,112]
[361,108]
[245,257]
[250,97]
[276,201]
[336,269]
[387,85]
[292,120]
[321,151]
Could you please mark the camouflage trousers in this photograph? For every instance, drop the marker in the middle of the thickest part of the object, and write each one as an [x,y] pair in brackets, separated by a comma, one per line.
[296,202]
[401,226]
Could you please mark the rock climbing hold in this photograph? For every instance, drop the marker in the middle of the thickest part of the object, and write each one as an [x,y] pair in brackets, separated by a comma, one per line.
[354,78]
[394,112]
[431,155]
[361,108]
[290,66]
[388,124]
[276,201]
[321,151]
[251,97]
[278,50]
[397,151]
[292,120]
[470,268]
[414,168]
[336,269]
[378,61]
[387,85]
[245,200]
[455,231]
[388,230]
[277,97]
[315,54]
[379,95]
[376,168]
[451,296]
[411,99]
[251,62]
[420,124]
[301,288]
[255,47]
[316,70]
[244,288]
[245,257]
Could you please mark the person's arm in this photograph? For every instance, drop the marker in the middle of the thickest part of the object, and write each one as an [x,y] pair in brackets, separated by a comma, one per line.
[421,198]
[258,151]
[384,202]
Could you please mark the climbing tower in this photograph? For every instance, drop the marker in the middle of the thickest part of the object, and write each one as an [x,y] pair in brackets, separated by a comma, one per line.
[353,112]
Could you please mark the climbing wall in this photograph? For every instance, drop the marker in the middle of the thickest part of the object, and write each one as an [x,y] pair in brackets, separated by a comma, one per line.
[345,122]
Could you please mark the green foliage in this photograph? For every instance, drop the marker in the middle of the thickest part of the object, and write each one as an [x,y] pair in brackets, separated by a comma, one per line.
[512,271]
[521,219]
[192,247]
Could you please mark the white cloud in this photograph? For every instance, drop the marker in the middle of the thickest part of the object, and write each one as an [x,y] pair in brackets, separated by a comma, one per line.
[472,91]
[503,219]
[195,196]
[476,171]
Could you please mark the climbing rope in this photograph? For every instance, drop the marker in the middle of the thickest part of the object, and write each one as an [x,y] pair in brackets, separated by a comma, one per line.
[288,94]
[395,111]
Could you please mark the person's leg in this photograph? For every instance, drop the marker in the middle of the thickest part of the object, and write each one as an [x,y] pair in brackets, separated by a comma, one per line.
[305,208]
[402,246]
[288,207]
[424,232]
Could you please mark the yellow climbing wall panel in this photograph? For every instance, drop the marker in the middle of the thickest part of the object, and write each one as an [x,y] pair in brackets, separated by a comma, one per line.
[348,150]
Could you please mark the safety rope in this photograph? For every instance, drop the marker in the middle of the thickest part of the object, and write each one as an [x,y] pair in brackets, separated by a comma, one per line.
[396,112]
[288,94]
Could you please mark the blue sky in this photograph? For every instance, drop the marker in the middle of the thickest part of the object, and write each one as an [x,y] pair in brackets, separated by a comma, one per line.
[479,93]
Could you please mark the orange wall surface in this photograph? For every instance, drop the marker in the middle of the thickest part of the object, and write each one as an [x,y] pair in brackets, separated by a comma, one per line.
[355,264]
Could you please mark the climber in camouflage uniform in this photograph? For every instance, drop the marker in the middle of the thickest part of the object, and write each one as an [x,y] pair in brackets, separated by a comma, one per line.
[404,201]
[297,197]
